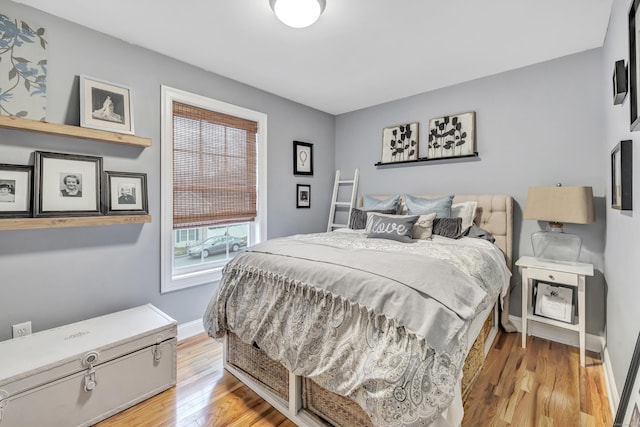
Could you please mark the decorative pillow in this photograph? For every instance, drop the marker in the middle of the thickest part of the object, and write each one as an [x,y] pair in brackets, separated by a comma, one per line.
[358,220]
[419,206]
[423,227]
[396,227]
[448,227]
[371,203]
[466,211]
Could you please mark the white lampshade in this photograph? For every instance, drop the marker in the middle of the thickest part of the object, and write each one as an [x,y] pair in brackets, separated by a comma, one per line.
[298,13]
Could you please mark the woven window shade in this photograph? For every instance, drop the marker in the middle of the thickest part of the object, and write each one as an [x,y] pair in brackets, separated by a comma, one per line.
[214,168]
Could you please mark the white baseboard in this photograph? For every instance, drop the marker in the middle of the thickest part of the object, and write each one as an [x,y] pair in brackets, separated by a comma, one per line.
[190,329]
[612,390]
[564,336]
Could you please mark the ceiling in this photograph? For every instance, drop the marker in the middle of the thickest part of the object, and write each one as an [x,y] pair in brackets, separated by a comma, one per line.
[360,52]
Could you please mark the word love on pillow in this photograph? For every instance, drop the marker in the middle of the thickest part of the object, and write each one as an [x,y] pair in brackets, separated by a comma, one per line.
[396,227]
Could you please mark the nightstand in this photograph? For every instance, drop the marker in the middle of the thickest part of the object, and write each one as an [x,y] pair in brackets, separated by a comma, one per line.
[568,274]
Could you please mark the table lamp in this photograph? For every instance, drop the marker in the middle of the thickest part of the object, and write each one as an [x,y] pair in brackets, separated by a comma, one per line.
[559,205]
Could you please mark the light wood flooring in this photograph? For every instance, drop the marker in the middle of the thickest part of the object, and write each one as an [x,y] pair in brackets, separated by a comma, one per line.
[543,386]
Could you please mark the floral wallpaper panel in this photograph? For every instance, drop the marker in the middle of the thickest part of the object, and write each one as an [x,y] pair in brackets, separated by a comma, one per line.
[23,69]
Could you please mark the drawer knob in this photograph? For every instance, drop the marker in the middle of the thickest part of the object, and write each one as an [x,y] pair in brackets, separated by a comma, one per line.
[551,277]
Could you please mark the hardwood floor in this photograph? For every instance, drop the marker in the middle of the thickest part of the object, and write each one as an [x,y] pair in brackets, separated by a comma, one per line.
[541,386]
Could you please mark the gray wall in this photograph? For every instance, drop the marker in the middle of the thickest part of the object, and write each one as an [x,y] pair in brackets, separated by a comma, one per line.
[623,227]
[535,126]
[56,276]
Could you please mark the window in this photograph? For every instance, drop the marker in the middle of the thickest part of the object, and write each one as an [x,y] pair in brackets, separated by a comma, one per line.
[213,186]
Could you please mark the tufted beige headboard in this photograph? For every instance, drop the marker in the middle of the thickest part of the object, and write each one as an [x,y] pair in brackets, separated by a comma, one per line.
[494,214]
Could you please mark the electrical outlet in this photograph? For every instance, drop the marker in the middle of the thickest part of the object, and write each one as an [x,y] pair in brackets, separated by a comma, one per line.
[22,329]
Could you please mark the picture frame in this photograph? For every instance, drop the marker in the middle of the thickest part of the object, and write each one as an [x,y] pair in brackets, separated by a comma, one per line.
[16,191]
[621,176]
[554,302]
[452,136]
[66,184]
[303,196]
[125,193]
[105,105]
[628,413]
[400,143]
[634,66]
[302,158]
[619,82]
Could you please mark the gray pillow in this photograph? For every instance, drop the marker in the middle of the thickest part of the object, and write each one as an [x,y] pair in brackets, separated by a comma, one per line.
[399,227]
[419,206]
[448,227]
[371,203]
[358,220]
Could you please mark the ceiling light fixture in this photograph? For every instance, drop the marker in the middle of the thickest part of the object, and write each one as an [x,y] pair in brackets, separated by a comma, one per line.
[298,13]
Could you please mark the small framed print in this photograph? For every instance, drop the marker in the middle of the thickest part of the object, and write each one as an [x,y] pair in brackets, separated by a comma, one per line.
[302,158]
[619,82]
[621,176]
[15,191]
[67,185]
[400,143]
[303,194]
[105,105]
[125,193]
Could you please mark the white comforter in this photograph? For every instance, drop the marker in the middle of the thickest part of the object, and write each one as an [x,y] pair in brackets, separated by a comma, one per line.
[379,321]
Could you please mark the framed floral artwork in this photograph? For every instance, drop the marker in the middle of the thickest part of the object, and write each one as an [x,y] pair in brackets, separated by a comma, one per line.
[452,136]
[399,143]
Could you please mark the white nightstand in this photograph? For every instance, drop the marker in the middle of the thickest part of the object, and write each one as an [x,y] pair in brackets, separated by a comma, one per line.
[569,274]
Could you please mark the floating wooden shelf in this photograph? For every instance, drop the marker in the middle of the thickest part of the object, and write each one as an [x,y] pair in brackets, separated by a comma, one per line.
[62,222]
[18,123]
[425,159]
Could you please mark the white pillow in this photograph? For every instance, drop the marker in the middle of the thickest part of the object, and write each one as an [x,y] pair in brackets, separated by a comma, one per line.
[466,211]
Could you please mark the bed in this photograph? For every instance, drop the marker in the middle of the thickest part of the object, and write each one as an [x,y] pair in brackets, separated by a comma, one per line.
[342,329]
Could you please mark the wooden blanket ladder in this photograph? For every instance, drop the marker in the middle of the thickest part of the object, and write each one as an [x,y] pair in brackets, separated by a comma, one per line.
[336,202]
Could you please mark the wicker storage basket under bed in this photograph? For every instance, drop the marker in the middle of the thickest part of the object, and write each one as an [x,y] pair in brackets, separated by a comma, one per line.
[257,364]
[328,407]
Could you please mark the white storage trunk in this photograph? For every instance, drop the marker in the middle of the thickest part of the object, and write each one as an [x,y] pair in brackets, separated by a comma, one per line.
[79,374]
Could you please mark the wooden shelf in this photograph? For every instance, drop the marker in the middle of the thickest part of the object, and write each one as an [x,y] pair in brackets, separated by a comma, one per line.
[425,159]
[62,222]
[10,122]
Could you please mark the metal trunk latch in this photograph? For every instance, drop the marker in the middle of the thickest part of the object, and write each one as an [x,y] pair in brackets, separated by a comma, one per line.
[90,376]
[157,349]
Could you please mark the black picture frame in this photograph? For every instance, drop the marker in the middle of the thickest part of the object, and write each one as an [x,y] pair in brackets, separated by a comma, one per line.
[303,196]
[619,82]
[630,399]
[302,158]
[621,176]
[54,194]
[634,67]
[125,193]
[16,191]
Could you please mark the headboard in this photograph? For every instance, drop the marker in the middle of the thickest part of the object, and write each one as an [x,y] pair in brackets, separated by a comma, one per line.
[494,214]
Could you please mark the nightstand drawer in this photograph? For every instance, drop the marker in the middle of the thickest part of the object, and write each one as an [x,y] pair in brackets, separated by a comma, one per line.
[553,276]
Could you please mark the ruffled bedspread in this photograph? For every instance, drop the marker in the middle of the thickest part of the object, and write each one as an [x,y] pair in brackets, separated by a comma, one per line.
[379,321]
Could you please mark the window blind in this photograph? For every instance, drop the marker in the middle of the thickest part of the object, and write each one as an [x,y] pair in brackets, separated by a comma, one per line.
[214,168]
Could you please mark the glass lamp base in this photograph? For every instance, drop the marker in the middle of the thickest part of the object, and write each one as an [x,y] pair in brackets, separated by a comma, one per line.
[556,245]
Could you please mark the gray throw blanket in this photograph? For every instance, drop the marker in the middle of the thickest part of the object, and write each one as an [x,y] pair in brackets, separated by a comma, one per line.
[386,329]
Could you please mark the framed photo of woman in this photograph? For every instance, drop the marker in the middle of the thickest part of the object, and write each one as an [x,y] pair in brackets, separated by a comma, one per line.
[105,105]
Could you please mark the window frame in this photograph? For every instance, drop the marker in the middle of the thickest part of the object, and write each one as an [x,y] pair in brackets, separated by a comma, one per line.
[170,279]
